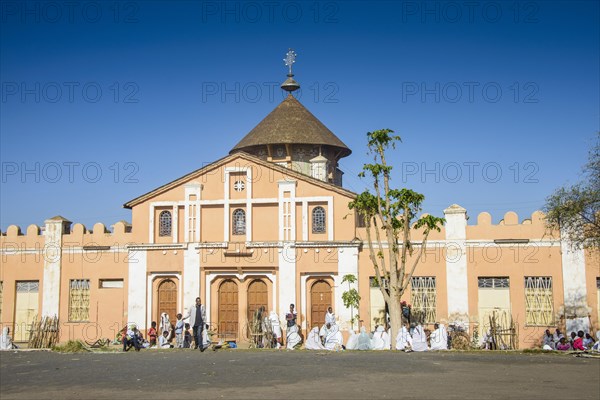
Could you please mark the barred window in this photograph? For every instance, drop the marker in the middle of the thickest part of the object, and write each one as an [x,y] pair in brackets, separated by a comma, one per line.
[493,282]
[318,220]
[28,287]
[423,299]
[164,223]
[79,300]
[539,304]
[374,282]
[239,222]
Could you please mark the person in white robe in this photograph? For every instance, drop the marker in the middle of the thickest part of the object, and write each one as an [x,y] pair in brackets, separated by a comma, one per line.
[364,340]
[330,317]
[352,343]
[165,324]
[403,339]
[334,339]
[5,340]
[380,338]
[419,339]
[276,327]
[325,329]
[439,338]
[293,339]
[313,341]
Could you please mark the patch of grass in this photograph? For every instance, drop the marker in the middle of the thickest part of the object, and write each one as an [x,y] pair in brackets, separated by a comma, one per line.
[72,346]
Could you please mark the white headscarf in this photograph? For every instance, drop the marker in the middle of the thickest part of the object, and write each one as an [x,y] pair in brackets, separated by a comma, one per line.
[364,340]
[334,339]
[330,318]
[293,338]
[439,338]
[419,339]
[313,342]
[5,340]
[403,339]
[352,340]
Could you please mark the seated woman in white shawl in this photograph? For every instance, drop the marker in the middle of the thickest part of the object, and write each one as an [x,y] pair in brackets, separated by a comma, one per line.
[352,340]
[419,339]
[334,339]
[403,339]
[364,340]
[293,339]
[439,338]
[313,341]
[325,329]
[380,339]
[5,340]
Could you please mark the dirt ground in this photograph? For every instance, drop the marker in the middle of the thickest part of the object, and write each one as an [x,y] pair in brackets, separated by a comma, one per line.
[266,374]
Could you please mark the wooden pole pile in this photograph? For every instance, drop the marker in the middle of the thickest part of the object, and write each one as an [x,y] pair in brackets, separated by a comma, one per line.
[43,333]
[504,335]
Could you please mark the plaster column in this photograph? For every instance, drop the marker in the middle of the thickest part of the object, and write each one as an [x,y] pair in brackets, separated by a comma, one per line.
[136,291]
[575,306]
[456,265]
[55,228]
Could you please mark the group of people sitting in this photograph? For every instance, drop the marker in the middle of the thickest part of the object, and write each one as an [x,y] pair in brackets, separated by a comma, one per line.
[329,337]
[579,341]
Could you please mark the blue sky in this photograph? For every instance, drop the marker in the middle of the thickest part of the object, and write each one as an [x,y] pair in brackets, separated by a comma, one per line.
[497,102]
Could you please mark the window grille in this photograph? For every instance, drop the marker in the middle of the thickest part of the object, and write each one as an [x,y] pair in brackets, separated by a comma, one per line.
[239,222]
[373,282]
[79,300]
[423,299]
[164,227]
[318,220]
[28,287]
[360,220]
[539,304]
[493,282]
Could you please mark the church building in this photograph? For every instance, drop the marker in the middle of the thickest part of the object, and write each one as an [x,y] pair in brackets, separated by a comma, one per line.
[269,225]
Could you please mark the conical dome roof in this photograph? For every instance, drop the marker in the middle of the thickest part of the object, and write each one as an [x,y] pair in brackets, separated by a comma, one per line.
[291,123]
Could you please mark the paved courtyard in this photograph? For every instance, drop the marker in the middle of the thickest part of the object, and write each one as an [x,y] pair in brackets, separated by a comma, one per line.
[243,374]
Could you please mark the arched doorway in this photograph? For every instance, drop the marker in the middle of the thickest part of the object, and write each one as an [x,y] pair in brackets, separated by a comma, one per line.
[320,299]
[167,299]
[257,297]
[228,309]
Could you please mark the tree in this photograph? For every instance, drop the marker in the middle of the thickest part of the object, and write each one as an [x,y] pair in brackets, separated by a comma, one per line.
[390,217]
[351,298]
[575,210]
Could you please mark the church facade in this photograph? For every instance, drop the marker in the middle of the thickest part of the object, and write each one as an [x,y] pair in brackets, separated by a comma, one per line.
[269,225]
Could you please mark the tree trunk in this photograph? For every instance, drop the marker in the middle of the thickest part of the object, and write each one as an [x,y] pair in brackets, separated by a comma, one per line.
[395,310]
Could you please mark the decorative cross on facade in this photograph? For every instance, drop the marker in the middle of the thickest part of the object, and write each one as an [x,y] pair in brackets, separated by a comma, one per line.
[290,59]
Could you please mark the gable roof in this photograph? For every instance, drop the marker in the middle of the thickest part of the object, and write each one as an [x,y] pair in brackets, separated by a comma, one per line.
[225,160]
[290,122]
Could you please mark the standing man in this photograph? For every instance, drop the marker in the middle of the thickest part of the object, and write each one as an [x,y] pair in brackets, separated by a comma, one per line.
[291,318]
[197,316]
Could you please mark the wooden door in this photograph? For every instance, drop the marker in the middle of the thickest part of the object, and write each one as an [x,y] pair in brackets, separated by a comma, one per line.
[320,300]
[26,309]
[167,300]
[228,309]
[257,297]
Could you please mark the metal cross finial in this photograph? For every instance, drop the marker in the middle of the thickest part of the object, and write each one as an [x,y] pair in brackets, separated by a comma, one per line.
[290,59]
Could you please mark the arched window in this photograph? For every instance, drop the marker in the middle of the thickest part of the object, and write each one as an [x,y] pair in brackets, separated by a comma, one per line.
[164,223]
[239,222]
[318,220]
